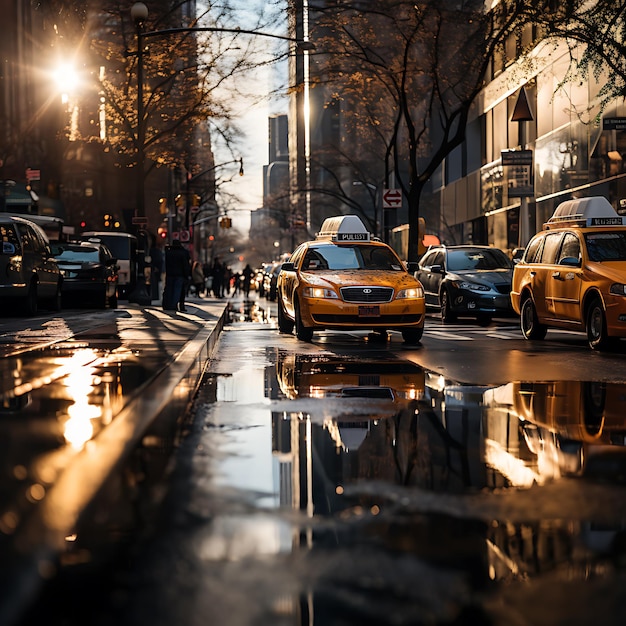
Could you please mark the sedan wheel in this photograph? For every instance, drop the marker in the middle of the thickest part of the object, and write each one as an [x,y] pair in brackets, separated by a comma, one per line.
[302,332]
[596,326]
[447,316]
[529,323]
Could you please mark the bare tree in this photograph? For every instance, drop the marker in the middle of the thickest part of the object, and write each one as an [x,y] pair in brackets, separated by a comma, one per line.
[408,74]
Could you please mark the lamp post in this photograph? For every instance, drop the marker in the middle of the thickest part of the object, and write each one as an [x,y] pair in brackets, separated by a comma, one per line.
[139,14]
[140,295]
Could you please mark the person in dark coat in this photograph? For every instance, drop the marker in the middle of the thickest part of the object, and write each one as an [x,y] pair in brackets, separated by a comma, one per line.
[177,275]
[156,269]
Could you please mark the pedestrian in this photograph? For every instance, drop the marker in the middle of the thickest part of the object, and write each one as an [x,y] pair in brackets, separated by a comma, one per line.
[177,273]
[156,270]
[217,271]
[197,278]
[247,279]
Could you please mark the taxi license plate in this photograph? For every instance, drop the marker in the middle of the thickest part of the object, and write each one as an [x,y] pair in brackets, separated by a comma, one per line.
[369,311]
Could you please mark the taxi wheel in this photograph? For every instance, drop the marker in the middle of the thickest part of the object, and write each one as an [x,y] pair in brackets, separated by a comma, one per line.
[285,325]
[412,335]
[596,326]
[302,332]
[531,328]
[447,316]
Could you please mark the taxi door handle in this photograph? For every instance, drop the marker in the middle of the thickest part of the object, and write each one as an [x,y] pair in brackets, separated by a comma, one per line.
[557,275]
[533,273]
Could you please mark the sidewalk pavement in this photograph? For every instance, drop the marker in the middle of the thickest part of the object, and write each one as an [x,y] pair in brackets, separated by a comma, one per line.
[173,350]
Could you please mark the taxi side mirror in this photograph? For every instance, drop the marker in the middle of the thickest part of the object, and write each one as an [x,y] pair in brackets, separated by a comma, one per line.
[288,267]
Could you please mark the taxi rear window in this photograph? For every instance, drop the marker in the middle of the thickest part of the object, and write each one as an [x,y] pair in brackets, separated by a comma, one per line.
[606,246]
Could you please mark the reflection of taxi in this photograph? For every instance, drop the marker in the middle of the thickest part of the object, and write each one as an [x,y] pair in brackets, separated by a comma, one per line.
[573,274]
[326,376]
[345,280]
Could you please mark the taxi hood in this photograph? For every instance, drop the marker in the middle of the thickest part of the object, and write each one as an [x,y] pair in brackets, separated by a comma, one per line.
[353,278]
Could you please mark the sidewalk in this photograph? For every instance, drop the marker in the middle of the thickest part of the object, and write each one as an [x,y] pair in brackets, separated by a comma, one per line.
[172,350]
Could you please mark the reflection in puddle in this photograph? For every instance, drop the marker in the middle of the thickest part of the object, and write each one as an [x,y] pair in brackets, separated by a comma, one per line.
[373,471]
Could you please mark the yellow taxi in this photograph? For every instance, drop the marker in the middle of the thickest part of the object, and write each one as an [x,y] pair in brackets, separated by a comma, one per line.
[573,274]
[347,280]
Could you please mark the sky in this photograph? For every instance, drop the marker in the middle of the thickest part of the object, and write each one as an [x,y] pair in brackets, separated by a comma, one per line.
[253,114]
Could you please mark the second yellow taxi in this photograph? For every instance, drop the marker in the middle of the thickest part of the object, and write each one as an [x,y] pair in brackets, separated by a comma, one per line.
[573,274]
[347,280]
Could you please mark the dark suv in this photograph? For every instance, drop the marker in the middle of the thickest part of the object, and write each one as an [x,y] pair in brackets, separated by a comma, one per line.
[29,274]
[470,281]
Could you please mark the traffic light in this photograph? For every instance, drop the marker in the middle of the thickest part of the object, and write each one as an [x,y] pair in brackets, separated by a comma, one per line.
[163,206]
[83,224]
[162,232]
[226,222]
[195,199]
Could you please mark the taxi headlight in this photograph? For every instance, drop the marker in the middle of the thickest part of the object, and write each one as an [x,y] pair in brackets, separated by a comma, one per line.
[472,286]
[618,289]
[319,292]
[410,293]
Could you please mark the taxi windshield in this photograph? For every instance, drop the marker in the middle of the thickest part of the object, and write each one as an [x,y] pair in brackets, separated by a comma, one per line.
[606,246]
[350,257]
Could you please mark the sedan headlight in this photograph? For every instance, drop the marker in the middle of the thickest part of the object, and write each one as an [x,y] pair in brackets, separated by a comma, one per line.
[410,293]
[472,286]
[618,289]
[319,292]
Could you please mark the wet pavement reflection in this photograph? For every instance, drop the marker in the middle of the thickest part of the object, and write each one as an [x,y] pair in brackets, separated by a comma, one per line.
[331,489]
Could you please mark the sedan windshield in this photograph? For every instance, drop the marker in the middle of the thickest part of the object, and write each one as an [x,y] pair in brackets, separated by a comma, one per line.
[477,259]
[606,246]
[346,257]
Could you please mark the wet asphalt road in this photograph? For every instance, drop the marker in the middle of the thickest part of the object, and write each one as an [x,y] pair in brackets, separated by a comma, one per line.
[351,482]
[351,485]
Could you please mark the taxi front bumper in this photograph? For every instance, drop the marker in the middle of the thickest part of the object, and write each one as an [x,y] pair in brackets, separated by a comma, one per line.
[323,313]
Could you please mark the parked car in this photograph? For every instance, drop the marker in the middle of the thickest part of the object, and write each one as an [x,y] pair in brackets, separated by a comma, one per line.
[466,281]
[29,273]
[347,280]
[124,247]
[271,280]
[573,274]
[90,272]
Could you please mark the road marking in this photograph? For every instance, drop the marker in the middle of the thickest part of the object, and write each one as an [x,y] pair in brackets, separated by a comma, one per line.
[445,335]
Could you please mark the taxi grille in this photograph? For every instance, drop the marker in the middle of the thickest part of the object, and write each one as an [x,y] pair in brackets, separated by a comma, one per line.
[367,294]
[355,320]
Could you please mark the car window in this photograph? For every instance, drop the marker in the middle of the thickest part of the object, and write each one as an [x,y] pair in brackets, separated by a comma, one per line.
[345,257]
[533,252]
[79,253]
[477,259]
[438,258]
[29,241]
[606,246]
[570,247]
[550,248]
[8,234]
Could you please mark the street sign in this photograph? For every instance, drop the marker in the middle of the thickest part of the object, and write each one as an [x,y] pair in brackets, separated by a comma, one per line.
[32,174]
[517,157]
[392,198]
[614,123]
[518,172]
[140,221]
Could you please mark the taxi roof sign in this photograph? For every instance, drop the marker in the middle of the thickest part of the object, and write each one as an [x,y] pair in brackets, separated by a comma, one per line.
[591,211]
[344,228]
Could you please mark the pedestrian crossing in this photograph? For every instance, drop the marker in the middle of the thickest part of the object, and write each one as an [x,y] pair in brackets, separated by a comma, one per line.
[467,332]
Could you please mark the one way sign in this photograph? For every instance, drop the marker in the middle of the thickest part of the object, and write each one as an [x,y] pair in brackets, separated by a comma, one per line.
[392,198]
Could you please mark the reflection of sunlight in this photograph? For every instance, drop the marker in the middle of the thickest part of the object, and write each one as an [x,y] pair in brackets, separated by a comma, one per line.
[79,382]
[513,468]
